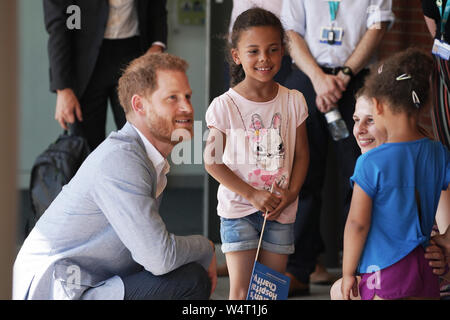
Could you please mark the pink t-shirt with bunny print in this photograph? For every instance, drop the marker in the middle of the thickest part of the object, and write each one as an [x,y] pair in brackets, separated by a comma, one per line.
[260,144]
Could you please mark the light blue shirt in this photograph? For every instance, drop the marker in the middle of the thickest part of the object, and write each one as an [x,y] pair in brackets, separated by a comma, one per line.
[161,164]
[390,174]
[103,225]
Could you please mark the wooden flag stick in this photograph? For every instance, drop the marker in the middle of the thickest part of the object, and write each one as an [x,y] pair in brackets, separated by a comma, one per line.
[264,225]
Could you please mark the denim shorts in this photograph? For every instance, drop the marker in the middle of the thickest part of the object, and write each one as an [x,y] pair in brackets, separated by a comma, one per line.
[243,234]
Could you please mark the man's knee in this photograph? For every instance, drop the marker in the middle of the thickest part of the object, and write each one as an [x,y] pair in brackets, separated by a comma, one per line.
[198,284]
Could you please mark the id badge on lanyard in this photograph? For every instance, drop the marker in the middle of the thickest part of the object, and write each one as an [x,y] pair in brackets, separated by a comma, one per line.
[332,34]
[440,47]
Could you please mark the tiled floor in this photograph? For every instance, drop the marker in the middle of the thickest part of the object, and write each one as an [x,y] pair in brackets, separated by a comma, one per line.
[221,293]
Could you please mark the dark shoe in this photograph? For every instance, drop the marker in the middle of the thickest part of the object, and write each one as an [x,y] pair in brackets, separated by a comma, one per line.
[297,288]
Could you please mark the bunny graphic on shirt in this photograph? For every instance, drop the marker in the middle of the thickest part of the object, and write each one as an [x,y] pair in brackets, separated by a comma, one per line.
[268,148]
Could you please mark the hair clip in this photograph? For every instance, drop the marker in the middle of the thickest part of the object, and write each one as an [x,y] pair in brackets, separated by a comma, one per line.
[416,99]
[380,69]
[404,76]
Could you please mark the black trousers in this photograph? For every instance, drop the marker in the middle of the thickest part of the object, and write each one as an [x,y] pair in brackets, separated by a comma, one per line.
[113,57]
[188,282]
[308,240]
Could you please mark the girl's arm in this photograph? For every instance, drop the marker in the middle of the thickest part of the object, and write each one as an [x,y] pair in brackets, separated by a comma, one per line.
[443,211]
[442,240]
[298,174]
[355,234]
[261,199]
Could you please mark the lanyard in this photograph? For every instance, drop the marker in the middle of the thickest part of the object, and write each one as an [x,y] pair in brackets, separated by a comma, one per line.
[444,15]
[334,7]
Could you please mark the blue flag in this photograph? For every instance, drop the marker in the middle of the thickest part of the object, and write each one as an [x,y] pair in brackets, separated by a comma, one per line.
[267,284]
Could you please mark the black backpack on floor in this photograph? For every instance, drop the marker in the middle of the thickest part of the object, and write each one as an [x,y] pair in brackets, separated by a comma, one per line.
[53,169]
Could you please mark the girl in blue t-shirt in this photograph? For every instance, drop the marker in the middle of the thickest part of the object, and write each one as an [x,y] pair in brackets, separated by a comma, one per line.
[396,189]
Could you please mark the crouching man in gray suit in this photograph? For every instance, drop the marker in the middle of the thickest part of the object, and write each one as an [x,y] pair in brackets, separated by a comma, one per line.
[102,237]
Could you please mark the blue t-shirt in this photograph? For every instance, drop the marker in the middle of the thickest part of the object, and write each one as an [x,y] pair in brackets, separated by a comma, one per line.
[390,175]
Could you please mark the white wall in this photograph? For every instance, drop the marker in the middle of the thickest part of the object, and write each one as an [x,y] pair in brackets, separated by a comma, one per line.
[36,120]
[189,42]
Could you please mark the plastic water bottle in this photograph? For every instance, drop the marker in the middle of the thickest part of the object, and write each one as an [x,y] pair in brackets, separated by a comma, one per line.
[336,125]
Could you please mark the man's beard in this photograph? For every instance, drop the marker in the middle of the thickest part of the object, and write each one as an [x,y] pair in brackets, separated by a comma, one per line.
[163,130]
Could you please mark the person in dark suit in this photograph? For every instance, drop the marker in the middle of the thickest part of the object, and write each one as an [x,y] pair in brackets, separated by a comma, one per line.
[86,61]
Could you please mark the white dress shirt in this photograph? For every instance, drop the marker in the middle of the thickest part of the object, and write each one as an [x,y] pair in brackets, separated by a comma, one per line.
[122,20]
[307,17]
[103,225]
[161,164]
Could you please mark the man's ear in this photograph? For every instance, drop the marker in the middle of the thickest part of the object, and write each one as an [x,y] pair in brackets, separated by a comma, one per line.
[378,107]
[235,56]
[137,104]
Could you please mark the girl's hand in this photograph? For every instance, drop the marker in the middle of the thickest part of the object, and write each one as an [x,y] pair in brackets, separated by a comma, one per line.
[436,257]
[443,241]
[286,198]
[263,200]
[349,285]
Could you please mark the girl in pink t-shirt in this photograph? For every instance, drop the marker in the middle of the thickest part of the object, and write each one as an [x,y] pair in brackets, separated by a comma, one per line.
[257,142]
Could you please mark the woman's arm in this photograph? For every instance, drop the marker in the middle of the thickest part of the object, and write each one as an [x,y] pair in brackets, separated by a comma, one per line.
[355,234]
[443,211]
[443,241]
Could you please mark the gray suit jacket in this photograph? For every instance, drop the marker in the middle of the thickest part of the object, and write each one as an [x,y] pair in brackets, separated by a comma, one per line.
[102,226]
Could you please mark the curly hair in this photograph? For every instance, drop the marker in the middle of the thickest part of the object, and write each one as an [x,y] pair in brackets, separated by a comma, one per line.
[254,17]
[399,78]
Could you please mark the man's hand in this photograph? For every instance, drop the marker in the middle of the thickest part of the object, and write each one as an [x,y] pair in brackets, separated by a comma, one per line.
[212,270]
[67,106]
[155,49]
[329,89]
[344,77]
